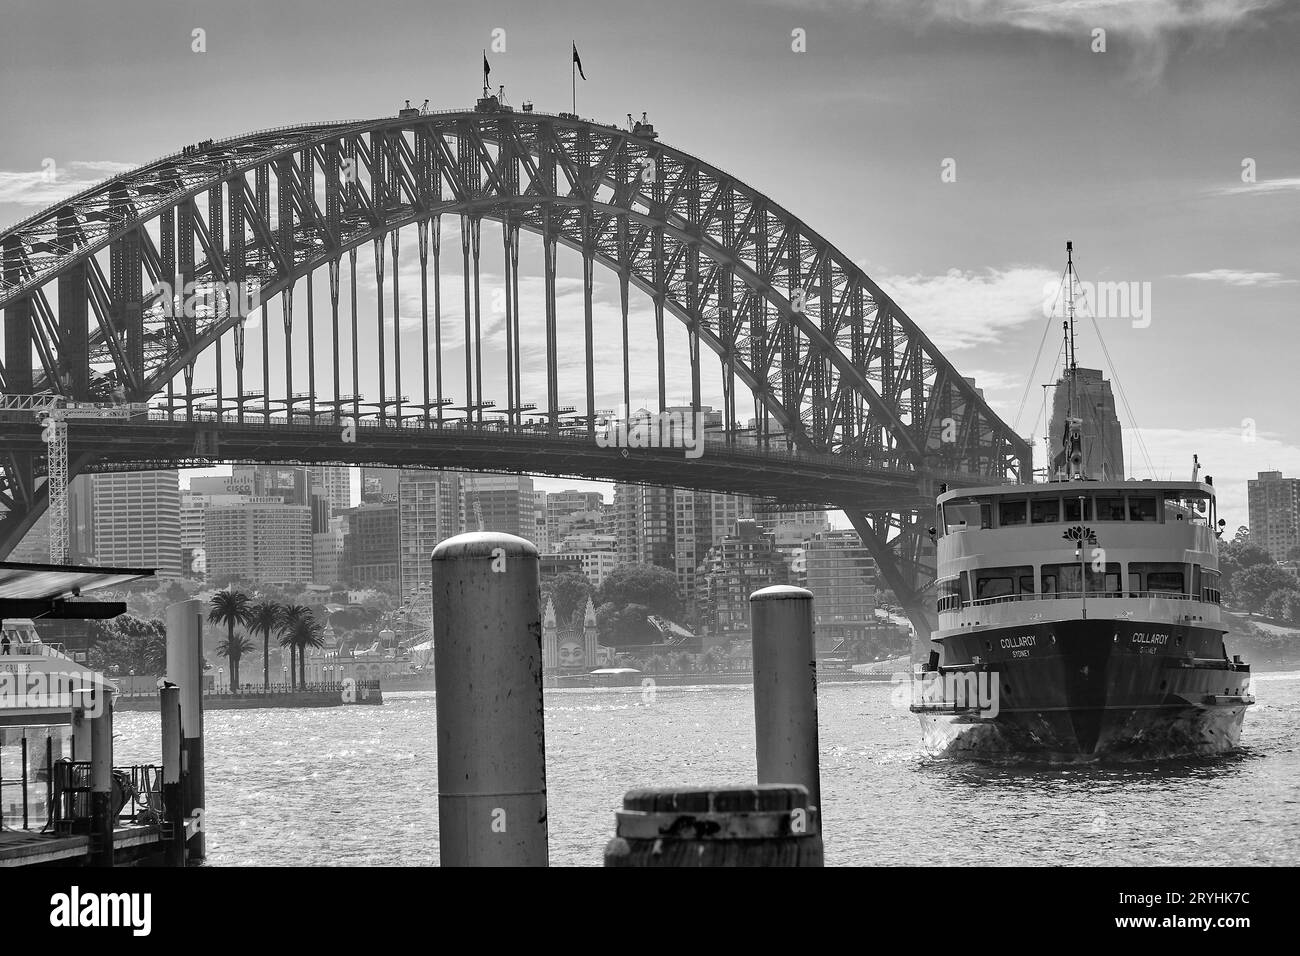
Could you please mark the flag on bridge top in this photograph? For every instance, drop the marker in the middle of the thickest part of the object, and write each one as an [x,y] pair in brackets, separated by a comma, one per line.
[487,68]
[577,61]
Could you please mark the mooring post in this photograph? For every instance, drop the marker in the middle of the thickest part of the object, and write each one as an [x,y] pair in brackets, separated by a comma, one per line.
[488,675]
[172,797]
[185,670]
[785,688]
[101,777]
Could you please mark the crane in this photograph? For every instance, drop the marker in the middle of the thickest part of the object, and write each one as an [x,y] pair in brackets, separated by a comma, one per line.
[53,411]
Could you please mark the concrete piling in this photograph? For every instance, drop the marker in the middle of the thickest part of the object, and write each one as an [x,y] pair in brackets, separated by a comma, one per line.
[185,670]
[488,673]
[785,688]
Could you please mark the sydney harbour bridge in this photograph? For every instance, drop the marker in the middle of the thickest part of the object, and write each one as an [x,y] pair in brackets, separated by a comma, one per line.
[830,396]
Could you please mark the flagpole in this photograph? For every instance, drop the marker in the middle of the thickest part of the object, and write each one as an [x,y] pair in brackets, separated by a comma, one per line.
[573,79]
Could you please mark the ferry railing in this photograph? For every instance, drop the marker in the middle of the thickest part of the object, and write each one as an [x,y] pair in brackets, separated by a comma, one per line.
[1077,595]
[41,649]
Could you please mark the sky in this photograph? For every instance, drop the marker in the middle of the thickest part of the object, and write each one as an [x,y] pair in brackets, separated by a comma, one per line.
[949,147]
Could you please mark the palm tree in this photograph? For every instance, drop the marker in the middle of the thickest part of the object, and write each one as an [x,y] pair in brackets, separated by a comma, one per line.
[234,648]
[290,615]
[305,632]
[230,607]
[265,616]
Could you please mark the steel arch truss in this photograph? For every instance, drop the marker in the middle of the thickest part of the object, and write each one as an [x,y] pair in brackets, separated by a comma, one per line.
[829,360]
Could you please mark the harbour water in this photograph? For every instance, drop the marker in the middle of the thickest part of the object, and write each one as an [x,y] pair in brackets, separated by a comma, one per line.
[358,785]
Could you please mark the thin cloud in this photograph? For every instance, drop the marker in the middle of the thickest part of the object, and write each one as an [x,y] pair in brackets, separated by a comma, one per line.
[1147,28]
[963,309]
[1238,277]
[1264,187]
[1145,18]
[51,183]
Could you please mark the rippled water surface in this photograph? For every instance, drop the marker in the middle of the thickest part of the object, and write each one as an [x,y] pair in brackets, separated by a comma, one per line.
[358,785]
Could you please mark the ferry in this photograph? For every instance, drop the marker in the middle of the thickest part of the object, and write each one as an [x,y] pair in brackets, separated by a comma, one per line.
[1079,619]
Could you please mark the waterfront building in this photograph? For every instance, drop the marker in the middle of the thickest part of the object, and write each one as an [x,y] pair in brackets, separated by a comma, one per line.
[841,574]
[1274,510]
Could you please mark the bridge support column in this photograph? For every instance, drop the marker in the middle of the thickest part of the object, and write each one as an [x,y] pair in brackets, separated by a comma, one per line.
[588,268]
[397,335]
[469,336]
[491,735]
[435,238]
[379,323]
[474,224]
[552,346]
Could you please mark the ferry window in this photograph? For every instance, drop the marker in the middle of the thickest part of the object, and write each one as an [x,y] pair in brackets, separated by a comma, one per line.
[1063,580]
[1072,508]
[1000,582]
[963,588]
[1110,509]
[1190,506]
[1142,509]
[966,515]
[1210,586]
[1044,510]
[1012,511]
[1157,576]
[1026,584]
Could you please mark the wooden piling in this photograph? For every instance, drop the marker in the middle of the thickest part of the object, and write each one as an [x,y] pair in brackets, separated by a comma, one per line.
[172,796]
[101,777]
[765,825]
[185,670]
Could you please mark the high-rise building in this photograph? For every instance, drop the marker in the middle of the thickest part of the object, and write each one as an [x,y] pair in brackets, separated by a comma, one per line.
[290,483]
[337,482]
[793,528]
[841,574]
[1274,509]
[137,520]
[428,512]
[505,503]
[1094,406]
[259,539]
[327,553]
[572,512]
[734,568]
[674,528]
[379,485]
[372,547]
[599,554]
